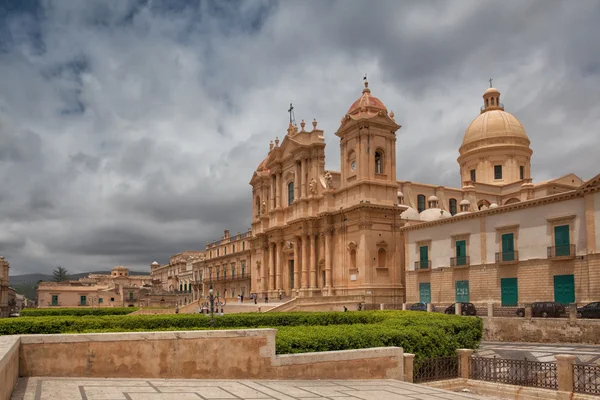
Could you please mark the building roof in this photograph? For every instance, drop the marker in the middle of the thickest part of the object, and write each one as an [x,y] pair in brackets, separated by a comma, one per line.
[366,105]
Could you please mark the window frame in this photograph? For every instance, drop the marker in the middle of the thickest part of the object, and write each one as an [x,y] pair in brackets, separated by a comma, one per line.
[290,194]
[450,203]
[498,172]
[419,197]
[473,175]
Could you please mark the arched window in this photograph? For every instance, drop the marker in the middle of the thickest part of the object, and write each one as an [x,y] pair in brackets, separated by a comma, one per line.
[486,103]
[381,258]
[421,203]
[452,206]
[378,162]
[290,193]
[492,101]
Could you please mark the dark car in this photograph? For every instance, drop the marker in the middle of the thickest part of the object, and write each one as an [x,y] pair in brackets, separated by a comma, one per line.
[544,309]
[591,310]
[420,307]
[465,309]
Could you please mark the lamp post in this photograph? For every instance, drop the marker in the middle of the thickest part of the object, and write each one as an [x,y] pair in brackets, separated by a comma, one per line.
[209,304]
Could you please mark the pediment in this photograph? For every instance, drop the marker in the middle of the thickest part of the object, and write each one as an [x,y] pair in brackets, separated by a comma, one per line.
[591,185]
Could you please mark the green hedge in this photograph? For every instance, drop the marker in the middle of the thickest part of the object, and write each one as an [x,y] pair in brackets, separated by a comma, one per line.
[44,312]
[424,334]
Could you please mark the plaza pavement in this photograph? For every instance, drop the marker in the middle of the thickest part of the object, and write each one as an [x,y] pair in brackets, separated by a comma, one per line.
[188,389]
[545,352]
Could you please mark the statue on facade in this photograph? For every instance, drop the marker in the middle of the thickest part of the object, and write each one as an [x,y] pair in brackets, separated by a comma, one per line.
[312,186]
[328,180]
[263,208]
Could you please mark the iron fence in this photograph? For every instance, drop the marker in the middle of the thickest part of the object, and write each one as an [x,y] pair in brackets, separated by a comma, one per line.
[435,369]
[586,378]
[515,372]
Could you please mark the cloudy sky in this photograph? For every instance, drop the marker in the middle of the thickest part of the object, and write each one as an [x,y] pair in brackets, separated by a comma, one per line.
[129,130]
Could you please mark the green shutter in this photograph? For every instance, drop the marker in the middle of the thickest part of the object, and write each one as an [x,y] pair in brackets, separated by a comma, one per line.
[564,289]
[562,240]
[82,300]
[424,256]
[462,291]
[510,292]
[508,247]
[425,292]
[54,300]
[461,252]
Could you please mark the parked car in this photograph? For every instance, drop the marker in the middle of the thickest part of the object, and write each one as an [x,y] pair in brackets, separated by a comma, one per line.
[591,310]
[466,309]
[420,307]
[544,309]
[14,315]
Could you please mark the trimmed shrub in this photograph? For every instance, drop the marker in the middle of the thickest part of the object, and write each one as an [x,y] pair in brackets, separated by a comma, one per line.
[44,312]
[424,334]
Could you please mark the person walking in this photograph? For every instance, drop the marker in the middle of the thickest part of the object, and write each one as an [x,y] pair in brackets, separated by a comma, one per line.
[345,309]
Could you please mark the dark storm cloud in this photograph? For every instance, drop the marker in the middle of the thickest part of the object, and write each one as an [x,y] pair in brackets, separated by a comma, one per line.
[129,130]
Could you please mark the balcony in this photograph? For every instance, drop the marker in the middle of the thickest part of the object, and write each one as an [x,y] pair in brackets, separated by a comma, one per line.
[462,261]
[423,265]
[509,257]
[561,252]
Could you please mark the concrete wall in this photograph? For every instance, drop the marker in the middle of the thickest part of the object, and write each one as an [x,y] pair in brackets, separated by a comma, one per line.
[243,354]
[9,365]
[541,330]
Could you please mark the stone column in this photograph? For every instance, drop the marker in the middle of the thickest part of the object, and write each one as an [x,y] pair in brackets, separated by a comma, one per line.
[264,268]
[409,362]
[328,259]
[528,311]
[296,266]
[464,355]
[278,189]
[429,307]
[297,182]
[304,180]
[271,266]
[564,372]
[273,193]
[313,260]
[403,306]
[278,265]
[305,260]
[490,308]
[457,308]
[572,312]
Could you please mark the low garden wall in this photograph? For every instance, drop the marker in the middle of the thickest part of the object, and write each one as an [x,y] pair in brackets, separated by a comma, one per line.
[541,330]
[9,365]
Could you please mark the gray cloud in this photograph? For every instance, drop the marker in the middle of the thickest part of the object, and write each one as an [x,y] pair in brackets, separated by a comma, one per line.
[129,130]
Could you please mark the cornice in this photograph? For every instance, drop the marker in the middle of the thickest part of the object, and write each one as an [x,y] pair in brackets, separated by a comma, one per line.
[499,210]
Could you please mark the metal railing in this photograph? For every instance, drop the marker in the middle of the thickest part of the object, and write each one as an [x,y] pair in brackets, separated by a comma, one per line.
[586,379]
[462,261]
[423,264]
[515,372]
[435,369]
[508,257]
[560,252]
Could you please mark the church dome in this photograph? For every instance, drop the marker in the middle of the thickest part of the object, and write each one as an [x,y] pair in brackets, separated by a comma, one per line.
[493,124]
[433,214]
[366,102]
[410,214]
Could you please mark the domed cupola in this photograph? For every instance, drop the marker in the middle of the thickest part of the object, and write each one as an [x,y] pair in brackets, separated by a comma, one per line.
[495,148]
[434,212]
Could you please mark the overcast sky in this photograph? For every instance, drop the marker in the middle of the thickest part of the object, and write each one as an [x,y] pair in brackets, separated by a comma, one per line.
[129,130]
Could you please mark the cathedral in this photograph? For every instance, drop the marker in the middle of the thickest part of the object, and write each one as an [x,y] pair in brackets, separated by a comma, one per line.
[361,232]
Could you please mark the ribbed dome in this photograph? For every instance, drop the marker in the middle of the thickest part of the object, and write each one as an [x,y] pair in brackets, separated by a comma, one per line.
[494,124]
[366,101]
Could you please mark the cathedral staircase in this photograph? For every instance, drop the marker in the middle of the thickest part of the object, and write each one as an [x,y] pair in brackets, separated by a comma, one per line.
[232,308]
[320,303]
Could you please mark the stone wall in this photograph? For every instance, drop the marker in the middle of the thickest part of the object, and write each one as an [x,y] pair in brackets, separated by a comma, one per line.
[541,330]
[242,354]
[325,303]
[9,365]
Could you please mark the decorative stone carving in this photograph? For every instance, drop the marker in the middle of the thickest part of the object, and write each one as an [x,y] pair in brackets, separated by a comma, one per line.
[352,246]
[312,186]
[365,224]
[263,208]
[328,180]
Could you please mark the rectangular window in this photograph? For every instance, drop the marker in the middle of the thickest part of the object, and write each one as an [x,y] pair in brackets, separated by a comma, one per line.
[225,250]
[233,248]
[497,171]
[112,299]
[425,292]
[82,300]
[461,252]
[562,241]
[508,247]
[243,246]
[130,296]
[564,289]
[421,203]
[452,207]
[217,275]
[510,292]
[100,300]
[211,254]
[473,176]
[243,268]
[54,300]
[424,257]
[462,291]
[290,193]
[232,292]
[217,252]
[522,172]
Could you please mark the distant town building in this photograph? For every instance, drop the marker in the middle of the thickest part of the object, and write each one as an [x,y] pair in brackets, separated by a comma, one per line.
[4,288]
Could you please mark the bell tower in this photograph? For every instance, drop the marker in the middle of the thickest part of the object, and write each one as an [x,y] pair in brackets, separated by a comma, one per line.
[368,151]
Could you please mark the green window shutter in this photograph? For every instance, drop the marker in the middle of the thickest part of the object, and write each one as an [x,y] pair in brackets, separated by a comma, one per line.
[424,256]
[462,291]
[508,247]
[461,252]
[562,241]
[564,289]
[510,292]
[425,292]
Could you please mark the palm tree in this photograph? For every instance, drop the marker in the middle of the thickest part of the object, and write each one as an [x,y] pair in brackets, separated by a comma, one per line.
[60,274]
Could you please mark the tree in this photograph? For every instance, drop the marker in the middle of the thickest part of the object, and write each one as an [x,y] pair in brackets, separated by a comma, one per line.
[60,274]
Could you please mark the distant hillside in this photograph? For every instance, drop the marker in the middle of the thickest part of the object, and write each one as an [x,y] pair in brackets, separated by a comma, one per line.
[26,284]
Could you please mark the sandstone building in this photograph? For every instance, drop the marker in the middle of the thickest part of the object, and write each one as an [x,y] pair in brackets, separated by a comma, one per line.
[4,288]
[498,237]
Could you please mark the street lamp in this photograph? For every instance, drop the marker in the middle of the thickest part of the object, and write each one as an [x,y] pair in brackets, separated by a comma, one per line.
[209,303]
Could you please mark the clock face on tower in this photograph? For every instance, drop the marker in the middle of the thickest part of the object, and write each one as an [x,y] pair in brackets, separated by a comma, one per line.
[353,165]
